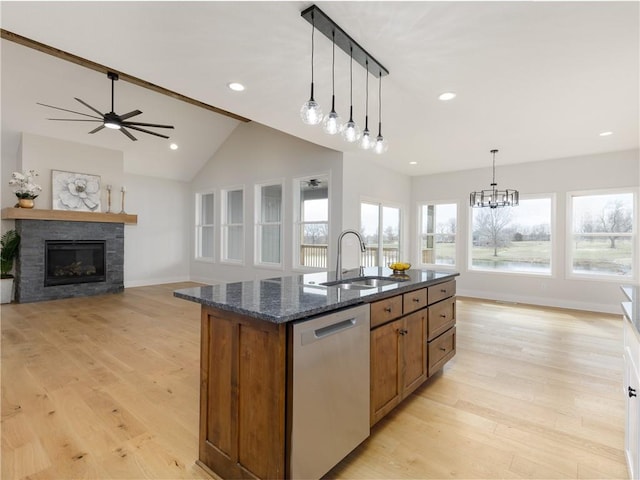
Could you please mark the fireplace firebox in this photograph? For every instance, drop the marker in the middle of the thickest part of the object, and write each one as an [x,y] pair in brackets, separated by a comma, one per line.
[75,261]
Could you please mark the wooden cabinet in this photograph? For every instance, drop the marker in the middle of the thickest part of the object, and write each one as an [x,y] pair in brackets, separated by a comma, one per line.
[412,337]
[242,396]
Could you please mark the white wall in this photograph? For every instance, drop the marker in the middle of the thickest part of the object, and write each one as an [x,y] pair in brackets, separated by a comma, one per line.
[254,154]
[156,249]
[559,176]
[365,180]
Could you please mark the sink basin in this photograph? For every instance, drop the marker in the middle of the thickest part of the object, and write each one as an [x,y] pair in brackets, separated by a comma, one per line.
[361,283]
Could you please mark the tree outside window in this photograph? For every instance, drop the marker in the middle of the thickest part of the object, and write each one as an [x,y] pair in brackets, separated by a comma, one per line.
[513,239]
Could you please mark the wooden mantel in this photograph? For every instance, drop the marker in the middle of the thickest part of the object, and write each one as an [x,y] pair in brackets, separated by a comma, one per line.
[11,213]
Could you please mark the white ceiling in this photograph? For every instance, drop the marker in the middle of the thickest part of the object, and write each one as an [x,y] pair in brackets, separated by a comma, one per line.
[537,80]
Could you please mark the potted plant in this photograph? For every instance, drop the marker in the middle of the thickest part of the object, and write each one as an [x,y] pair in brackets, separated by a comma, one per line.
[25,188]
[9,244]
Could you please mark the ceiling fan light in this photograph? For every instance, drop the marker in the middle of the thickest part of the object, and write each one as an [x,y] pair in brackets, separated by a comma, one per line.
[111,124]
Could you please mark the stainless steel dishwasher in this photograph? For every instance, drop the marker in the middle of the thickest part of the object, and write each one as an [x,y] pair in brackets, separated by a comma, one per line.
[330,404]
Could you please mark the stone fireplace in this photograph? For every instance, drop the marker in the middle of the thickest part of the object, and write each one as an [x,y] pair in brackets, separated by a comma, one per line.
[63,259]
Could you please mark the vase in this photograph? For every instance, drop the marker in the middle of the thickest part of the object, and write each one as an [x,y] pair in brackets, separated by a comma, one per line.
[25,202]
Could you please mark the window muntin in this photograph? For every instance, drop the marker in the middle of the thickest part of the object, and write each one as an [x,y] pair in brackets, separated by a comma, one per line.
[438,226]
[380,229]
[312,225]
[269,224]
[513,239]
[205,243]
[602,234]
[233,225]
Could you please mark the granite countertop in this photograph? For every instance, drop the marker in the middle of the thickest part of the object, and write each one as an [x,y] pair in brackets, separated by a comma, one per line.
[631,308]
[283,299]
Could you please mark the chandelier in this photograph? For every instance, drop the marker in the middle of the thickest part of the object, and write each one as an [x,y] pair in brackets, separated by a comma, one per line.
[311,112]
[494,198]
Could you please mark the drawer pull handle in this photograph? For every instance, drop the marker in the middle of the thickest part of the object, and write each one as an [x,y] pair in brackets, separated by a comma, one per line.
[403,331]
[417,300]
[387,309]
[443,349]
[442,315]
[443,290]
[632,392]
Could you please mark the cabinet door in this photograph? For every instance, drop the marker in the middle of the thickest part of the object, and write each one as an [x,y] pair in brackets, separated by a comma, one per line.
[631,443]
[386,386]
[414,351]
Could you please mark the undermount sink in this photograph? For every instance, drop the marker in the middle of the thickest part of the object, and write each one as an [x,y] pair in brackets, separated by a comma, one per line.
[362,283]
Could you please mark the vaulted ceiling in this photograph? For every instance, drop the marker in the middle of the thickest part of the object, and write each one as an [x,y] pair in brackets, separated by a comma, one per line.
[537,80]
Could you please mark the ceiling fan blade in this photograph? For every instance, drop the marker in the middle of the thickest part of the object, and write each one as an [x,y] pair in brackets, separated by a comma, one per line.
[130,114]
[74,120]
[128,134]
[70,111]
[140,124]
[145,131]
[97,129]
[89,106]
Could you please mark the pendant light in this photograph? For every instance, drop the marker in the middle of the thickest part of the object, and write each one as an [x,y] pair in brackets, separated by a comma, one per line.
[494,198]
[311,113]
[366,142]
[351,132]
[332,122]
[381,145]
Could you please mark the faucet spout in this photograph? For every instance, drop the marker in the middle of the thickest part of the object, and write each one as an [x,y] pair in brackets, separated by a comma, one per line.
[363,248]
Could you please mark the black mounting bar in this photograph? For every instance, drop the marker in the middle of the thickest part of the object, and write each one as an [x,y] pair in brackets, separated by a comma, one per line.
[327,26]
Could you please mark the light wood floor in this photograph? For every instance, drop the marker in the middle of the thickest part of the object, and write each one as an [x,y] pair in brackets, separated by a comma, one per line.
[107,388]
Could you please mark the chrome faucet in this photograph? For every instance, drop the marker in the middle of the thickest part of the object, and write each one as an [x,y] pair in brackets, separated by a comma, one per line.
[363,248]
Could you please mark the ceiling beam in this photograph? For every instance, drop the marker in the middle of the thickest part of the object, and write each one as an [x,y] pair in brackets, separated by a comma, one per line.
[69,57]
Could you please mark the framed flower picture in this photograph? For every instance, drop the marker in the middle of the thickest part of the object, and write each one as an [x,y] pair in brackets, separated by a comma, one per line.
[75,191]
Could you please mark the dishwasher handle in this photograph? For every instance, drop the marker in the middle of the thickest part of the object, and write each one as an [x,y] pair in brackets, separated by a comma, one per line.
[316,334]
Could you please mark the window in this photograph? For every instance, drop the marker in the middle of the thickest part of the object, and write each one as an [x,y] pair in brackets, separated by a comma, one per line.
[233,225]
[269,224]
[513,239]
[312,229]
[602,234]
[380,229]
[204,226]
[438,226]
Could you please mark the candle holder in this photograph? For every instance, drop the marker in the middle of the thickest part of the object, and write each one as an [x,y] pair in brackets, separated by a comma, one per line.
[109,199]
[123,190]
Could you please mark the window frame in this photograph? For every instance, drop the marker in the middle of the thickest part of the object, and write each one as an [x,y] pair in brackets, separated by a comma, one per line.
[635,251]
[553,240]
[224,226]
[259,223]
[199,225]
[298,223]
[456,252]
[381,204]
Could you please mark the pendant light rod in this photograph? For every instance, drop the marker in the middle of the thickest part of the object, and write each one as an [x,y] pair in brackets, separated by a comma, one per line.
[327,26]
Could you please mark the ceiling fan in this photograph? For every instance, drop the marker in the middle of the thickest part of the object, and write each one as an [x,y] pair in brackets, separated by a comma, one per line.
[111,119]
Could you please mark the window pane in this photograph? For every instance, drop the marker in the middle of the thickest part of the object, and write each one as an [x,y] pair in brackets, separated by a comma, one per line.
[206,242]
[206,209]
[438,235]
[390,235]
[235,242]
[369,222]
[313,222]
[271,203]
[513,239]
[234,206]
[270,243]
[603,234]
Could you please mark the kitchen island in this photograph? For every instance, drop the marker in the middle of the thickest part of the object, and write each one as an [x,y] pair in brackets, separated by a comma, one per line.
[248,422]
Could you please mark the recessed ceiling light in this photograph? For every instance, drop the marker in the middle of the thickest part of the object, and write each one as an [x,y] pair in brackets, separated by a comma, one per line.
[606,134]
[173,146]
[236,87]
[447,96]
[413,163]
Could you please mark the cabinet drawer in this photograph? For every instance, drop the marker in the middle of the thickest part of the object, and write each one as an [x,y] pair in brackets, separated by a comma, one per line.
[441,291]
[415,300]
[384,310]
[441,350]
[442,316]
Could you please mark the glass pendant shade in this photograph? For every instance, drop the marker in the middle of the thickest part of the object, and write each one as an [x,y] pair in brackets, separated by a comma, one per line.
[332,123]
[310,112]
[351,132]
[381,145]
[366,141]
